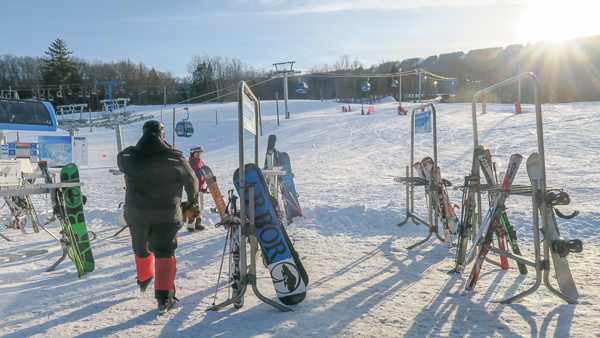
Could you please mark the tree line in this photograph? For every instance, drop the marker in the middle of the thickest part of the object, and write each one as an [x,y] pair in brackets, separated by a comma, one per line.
[567,71]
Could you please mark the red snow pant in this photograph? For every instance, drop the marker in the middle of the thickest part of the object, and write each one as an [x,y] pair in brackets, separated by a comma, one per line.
[157,240]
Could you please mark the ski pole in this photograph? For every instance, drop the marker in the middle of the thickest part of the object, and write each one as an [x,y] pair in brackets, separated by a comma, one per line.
[221,268]
[123,228]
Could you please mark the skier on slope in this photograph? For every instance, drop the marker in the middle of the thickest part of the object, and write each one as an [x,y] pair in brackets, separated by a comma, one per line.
[155,176]
[196,164]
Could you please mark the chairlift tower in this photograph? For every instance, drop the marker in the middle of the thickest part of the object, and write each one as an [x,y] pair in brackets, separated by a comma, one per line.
[420,71]
[285,69]
[109,84]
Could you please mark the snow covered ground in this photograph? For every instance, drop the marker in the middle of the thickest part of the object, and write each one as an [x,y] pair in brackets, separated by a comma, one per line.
[364,282]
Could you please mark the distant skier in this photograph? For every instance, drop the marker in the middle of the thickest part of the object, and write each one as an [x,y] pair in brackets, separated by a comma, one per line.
[155,176]
[196,164]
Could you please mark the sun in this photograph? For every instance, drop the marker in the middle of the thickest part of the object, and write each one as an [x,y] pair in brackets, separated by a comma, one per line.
[558,20]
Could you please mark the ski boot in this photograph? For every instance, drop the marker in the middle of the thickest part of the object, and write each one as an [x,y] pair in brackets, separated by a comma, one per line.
[144,284]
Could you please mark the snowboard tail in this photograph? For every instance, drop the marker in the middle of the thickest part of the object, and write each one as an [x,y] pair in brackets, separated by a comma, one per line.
[211,181]
[292,206]
[559,258]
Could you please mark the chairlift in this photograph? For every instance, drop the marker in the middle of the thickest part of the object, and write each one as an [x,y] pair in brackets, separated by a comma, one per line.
[185,128]
[366,86]
[59,92]
[87,93]
[302,87]
[69,91]
[395,83]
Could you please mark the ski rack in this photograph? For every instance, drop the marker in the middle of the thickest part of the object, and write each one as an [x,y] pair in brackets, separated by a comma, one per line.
[411,182]
[247,225]
[539,198]
[38,189]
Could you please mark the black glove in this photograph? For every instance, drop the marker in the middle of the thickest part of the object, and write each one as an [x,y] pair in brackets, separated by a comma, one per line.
[191,211]
[204,191]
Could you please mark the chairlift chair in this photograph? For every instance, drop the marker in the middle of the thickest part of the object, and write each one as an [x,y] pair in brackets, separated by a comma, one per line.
[185,128]
[395,83]
[302,88]
[366,86]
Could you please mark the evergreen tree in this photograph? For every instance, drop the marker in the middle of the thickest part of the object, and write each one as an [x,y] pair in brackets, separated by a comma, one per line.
[60,68]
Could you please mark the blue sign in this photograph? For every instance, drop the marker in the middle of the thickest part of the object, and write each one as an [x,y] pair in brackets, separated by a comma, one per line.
[423,122]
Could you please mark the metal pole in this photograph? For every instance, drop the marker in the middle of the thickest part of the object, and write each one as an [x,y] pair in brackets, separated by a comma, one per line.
[174,128]
[277,104]
[259,118]
[165,94]
[519,92]
[420,86]
[217,116]
[110,105]
[399,90]
[285,95]
[119,138]
[256,121]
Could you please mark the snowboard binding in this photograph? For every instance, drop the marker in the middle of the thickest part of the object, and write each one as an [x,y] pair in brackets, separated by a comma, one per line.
[563,247]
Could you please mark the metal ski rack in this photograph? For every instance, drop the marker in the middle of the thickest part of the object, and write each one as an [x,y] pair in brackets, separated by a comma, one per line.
[412,181]
[248,111]
[539,199]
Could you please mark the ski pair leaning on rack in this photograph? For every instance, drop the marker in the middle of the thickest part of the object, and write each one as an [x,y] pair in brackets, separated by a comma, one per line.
[425,170]
[493,221]
[496,217]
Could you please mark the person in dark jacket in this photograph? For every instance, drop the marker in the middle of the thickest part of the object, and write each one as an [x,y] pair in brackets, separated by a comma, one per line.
[155,176]
[196,163]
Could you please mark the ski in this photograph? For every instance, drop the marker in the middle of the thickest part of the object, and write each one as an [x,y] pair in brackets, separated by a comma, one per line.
[559,256]
[491,215]
[485,161]
[445,209]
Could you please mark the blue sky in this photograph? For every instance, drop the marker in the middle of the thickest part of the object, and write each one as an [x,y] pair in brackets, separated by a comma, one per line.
[167,34]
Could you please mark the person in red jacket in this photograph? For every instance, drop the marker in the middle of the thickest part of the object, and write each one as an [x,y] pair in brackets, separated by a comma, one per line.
[196,164]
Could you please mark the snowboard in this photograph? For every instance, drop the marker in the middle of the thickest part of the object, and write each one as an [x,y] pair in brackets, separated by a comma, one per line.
[292,206]
[561,263]
[211,181]
[73,200]
[68,240]
[287,272]
[270,149]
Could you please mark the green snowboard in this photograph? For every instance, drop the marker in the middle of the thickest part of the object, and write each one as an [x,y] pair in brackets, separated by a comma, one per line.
[73,200]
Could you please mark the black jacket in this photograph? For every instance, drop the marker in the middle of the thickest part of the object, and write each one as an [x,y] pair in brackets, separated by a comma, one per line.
[155,177]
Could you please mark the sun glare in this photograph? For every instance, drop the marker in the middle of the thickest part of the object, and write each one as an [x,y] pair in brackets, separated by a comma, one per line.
[557,20]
